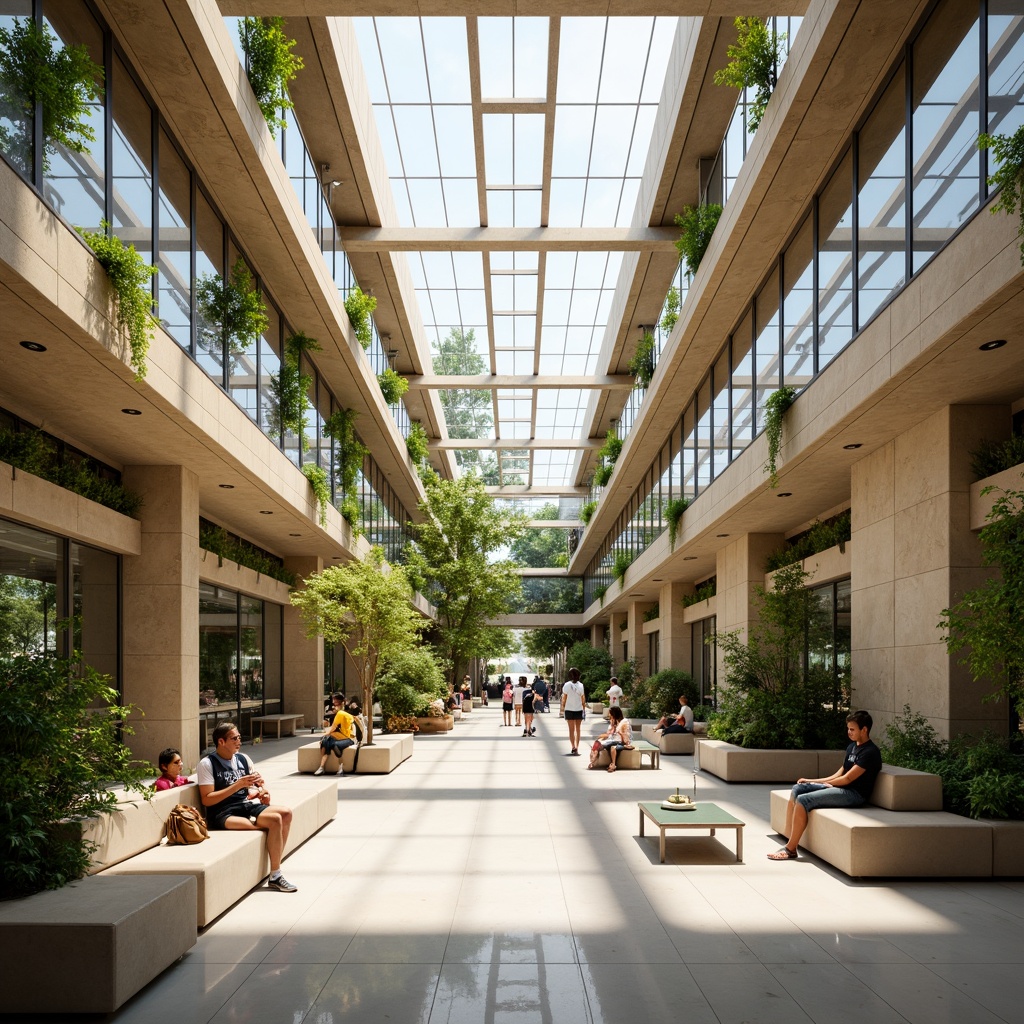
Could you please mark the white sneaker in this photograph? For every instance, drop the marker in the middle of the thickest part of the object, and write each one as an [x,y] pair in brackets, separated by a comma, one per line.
[319,770]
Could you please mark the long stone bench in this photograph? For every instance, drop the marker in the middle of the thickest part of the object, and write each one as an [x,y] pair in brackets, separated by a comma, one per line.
[384,756]
[227,865]
[902,832]
[740,764]
[675,743]
[90,946]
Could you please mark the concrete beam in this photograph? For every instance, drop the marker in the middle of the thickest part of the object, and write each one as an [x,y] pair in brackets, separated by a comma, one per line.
[389,239]
[506,8]
[528,444]
[525,381]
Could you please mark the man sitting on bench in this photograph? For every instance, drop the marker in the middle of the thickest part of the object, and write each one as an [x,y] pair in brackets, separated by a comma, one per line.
[236,799]
[683,722]
[850,786]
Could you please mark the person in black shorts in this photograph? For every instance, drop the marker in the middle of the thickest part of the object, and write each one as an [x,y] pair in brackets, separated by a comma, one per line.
[528,702]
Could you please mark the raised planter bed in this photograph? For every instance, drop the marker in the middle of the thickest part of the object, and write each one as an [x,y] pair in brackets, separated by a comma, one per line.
[738,764]
[442,724]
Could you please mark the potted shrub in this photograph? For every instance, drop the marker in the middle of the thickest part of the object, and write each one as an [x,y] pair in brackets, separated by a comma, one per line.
[753,63]
[269,65]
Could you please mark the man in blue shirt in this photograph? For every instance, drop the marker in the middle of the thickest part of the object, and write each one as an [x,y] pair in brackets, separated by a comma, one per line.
[850,786]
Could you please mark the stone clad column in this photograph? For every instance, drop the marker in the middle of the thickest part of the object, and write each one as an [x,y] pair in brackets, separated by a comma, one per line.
[303,658]
[676,646]
[161,613]
[638,639]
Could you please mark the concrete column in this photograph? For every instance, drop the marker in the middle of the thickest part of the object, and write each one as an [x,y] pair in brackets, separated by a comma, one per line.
[913,554]
[676,647]
[639,647]
[303,658]
[598,635]
[161,613]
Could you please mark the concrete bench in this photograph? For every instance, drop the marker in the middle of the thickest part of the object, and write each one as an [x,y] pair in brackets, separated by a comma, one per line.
[384,756]
[90,946]
[227,865]
[641,752]
[740,764]
[288,722]
[901,833]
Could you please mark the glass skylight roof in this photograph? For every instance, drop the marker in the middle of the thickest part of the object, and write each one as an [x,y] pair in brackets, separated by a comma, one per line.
[573,159]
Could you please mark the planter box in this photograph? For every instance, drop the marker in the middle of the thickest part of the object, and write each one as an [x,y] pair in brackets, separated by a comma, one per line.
[1011,479]
[429,725]
[738,764]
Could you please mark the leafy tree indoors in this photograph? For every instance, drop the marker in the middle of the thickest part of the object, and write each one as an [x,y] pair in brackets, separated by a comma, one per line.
[367,608]
[545,643]
[451,564]
[542,547]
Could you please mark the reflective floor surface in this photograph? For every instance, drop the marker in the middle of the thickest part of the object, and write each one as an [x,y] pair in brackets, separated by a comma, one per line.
[493,880]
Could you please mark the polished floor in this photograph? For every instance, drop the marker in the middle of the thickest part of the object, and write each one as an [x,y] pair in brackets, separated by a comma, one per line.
[493,879]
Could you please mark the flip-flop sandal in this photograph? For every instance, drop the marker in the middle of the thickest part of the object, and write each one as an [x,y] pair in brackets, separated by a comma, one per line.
[611,768]
[784,854]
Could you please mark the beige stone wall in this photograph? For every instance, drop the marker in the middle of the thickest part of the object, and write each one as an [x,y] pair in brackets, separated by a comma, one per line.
[913,554]
[303,658]
[676,648]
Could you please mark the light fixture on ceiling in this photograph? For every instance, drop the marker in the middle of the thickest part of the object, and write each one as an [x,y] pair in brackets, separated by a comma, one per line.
[226,487]
[265,512]
[852,447]
[294,534]
[330,183]
[784,494]
[132,412]
[991,346]
[658,581]
[689,558]
[32,346]
[721,535]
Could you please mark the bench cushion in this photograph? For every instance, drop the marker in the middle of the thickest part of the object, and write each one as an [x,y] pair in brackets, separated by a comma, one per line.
[89,947]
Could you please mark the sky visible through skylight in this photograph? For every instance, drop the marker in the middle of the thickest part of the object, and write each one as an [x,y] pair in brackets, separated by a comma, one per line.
[530,313]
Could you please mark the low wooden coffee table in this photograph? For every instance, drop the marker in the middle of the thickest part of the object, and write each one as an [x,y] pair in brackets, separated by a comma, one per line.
[706,815]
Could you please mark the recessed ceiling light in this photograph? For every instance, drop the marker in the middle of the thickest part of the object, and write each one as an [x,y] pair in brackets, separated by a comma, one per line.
[990,346]
[294,534]
[132,412]
[657,581]
[784,494]
[32,346]
[227,487]
[852,447]
[721,535]
[689,558]
[265,512]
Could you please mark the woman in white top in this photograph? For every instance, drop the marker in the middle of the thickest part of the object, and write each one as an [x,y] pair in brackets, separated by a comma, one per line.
[572,709]
[618,735]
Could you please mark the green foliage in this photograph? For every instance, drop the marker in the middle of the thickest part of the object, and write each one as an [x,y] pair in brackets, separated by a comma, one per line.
[602,475]
[409,682]
[704,592]
[985,627]
[130,278]
[587,510]
[773,697]
[218,541]
[451,562]
[545,643]
[63,81]
[289,389]
[230,312]
[360,307]
[775,408]
[652,613]
[674,509]
[980,777]
[392,386]
[269,65]
[418,445]
[623,560]
[991,457]
[627,676]
[671,315]
[697,224]
[659,694]
[820,537]
[367,608]
[542,547]
[1009,176]
[60,730]
[753,63]
[317,477]
[642,364]
[36,452]
[611,449]
[599,593]
[595,665]
[349,455]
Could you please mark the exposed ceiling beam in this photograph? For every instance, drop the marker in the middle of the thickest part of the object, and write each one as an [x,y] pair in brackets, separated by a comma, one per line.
[410,239]
[533,443]
[505,8]
[525,381]
[516,491]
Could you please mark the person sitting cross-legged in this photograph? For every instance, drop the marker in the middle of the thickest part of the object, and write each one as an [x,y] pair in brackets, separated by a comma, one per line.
[235,799]
[850,786]
[338,735]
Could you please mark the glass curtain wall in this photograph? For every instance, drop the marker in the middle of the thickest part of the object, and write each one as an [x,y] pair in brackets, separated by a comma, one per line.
[860,241]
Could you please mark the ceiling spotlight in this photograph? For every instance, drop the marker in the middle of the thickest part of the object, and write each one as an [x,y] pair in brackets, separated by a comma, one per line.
[990,346]
[721,535]
[32,346]
[226,487]
[689,558]
[265,512]
[132,412]
[852,447]
[294,534]
[658,581]
[784,494]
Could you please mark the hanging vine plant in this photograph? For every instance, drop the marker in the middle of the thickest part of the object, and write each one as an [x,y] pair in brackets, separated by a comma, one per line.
[641,366]
[775,409]
[392,386]
[360,307]
[418,445]
[671,315]
[697,224]
[1009,176]
[602,475]
[674,510]
[230,312]
[350,453]
[269,65]
[289,388]
[587,510]
[612,447]
[62,81]
[753,63]
[317,477]
[599,593]
[623,560]
[133,298]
